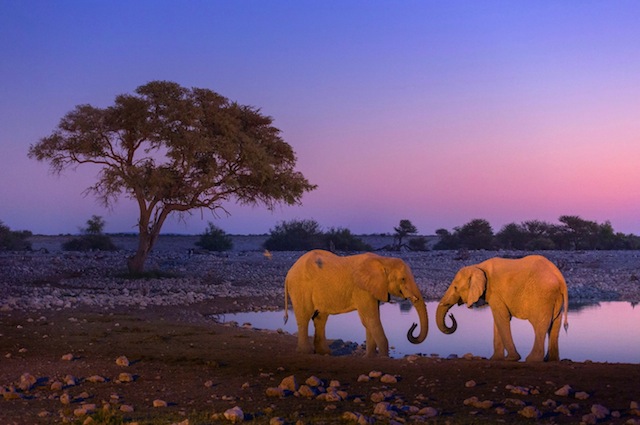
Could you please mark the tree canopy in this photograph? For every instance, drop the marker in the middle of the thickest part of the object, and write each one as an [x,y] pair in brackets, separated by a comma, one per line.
[174,149]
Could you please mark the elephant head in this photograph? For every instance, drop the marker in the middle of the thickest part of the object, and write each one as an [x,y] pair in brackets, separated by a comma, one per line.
[467,287]
[383,277]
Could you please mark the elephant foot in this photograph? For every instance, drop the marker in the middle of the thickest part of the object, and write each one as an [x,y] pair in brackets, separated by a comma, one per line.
[323,350]
[305,349]
[537,358]
[513,357]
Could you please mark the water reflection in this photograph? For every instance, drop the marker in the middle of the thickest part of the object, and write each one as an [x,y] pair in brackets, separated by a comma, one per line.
[602,332]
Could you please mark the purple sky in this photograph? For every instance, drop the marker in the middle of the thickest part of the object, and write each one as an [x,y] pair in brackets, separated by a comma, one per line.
[436,112]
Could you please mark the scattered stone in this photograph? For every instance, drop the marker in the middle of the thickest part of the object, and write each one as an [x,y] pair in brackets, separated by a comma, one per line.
[275,392]
[375,374]
[600,411]
[470,384]
[159,403]
[589,419]
[475,402]
[44,414]
[363,378]
[289,384]
[125,377]
[563,409]
[564,391]
[70,380]
[307,391]
[313,381]
[67,357]
[56,386]
[581,395]
[334,383]
[96,379]
[384,409]
[65,398]
[235,414]
[518,390]
[530,412]
[428,412]
[126,408]
[276,421]
[27,381]
[122,361]
[388,379]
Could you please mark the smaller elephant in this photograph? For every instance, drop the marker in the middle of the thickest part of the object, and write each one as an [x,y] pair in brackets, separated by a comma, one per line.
[530,288]
[321,283]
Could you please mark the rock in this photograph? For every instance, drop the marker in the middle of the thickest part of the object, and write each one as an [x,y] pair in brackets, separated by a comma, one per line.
[564,391]
[125,377]
[530,412]
[428,412]
[375,374]
[126,408]
[275,392]
[307,391]
[70,380]
[289,384]
[96,379]
[384,409]
[276,421]
[56,386]
[122,361]
[27,381]
[388,379]
[235,414]
[581,395]
[67,357]
[159,403]
[600,411]
[313,381]
[363,378]
[65,398]
[589,419]
[470,384]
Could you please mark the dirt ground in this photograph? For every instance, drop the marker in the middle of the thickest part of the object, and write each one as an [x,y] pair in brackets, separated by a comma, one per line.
[52,366]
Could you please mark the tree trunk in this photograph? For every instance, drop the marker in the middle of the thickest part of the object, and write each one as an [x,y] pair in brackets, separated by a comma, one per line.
[421,308]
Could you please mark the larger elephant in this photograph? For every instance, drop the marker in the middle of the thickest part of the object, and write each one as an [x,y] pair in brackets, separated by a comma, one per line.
[321,283]
[530,288]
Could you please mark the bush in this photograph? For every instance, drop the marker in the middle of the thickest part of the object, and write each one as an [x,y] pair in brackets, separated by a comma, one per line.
[215,239]
[343,240]
[295,235]
[418,243]
[14,240]
[92,240]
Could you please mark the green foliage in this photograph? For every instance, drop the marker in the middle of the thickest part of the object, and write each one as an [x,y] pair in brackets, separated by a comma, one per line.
[295,235]
[11,240]
[418,244]
[215,239]
[92,239]
[404,229]
[341,239]
[172,149]
[573,233]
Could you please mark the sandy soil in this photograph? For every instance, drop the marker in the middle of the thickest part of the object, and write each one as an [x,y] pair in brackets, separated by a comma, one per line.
[59,366]
[202,369]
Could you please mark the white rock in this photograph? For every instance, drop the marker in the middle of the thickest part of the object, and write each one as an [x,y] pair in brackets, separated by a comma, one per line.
[235,414]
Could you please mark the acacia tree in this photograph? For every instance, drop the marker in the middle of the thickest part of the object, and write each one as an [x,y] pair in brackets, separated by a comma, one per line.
[175,149]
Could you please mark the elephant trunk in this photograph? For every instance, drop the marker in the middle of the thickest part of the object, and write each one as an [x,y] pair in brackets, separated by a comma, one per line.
[441,312]
[421,308]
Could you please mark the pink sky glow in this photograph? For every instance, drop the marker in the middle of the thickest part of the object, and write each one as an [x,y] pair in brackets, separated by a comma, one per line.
[436,112]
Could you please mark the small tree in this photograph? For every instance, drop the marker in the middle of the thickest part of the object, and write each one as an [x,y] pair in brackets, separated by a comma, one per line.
[215,239]
[172,149]
[295,235]
[11,240]
[343,240]
[92,238]
[404,229]
[476,234]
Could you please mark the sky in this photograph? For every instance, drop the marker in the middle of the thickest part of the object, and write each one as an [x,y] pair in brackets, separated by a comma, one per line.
[439,112]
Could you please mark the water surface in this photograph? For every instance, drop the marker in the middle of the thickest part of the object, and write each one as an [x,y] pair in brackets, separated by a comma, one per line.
[602,332]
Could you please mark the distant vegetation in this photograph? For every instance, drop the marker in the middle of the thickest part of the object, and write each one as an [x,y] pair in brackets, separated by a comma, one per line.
[304,235]
[92,238]
[215,239]
[573,233]
[11,240]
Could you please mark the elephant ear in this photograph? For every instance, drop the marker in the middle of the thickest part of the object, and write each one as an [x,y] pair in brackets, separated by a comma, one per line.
[371,276]
[477,285]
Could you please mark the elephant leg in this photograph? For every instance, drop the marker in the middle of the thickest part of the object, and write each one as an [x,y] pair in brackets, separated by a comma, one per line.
[375,333]
[320,337]
[498,346]
[553,354]
[304,345]
[502,322]
[540,333]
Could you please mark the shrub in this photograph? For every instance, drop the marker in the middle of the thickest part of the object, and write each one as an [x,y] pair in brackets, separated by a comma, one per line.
[418,243]
[14,240]
[215,239]
[295,235]
[92,239]
[341,239]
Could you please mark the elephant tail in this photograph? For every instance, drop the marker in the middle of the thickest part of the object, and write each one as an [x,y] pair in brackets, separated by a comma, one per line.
[286,302]
[565,295]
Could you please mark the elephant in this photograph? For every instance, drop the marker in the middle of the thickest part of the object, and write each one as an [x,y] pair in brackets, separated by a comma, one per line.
[321,283]
[530,288]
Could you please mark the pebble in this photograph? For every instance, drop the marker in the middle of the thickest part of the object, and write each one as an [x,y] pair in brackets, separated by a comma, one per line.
[235,414]
[388,379]
[530,412]
[564,391]
[159,403]
[122,361]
